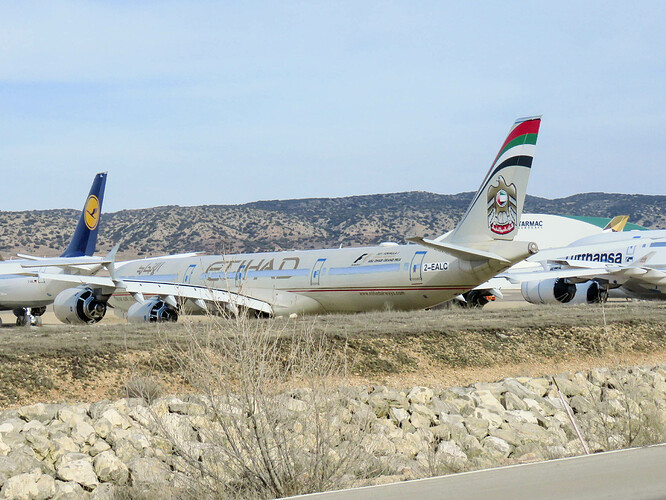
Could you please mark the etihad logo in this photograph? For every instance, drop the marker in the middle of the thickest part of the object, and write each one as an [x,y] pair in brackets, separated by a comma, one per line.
[502,207]
[91,212]
[612,257]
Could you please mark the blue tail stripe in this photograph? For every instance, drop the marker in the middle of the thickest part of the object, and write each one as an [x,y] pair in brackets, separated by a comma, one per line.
[84,239]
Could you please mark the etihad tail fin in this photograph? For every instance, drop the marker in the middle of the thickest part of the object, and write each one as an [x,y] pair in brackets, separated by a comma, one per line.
[85,235]
[495,211]
[617,223]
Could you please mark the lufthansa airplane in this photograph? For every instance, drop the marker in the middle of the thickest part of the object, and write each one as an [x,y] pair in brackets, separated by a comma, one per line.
[26,293]
[629,264]
[400,277]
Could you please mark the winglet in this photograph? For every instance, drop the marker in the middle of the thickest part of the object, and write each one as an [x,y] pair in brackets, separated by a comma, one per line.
[84,239]
[617,223]
[110,260]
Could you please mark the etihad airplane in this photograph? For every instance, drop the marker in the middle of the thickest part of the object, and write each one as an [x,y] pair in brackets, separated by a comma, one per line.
[399,277]
[630,264]
[27,294]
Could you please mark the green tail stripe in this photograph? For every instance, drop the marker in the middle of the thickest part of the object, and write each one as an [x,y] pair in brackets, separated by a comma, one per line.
[519,141]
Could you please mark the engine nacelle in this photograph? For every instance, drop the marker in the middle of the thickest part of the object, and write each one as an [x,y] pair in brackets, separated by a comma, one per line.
[560,291]
[151,311]
[79,306]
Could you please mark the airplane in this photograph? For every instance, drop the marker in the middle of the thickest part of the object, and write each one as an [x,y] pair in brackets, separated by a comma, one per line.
[25,293]
[547,231]
[630,264]
[417,275]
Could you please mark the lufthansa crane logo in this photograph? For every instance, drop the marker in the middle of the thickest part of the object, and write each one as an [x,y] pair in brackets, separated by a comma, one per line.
[91,212]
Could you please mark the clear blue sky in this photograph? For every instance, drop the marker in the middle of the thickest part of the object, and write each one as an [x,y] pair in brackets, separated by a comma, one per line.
[195,103]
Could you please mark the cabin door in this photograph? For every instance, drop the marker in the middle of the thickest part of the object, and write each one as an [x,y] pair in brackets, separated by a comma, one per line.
[315,275]
[416,266]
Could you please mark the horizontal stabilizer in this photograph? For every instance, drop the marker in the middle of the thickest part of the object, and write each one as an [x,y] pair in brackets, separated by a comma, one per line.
[459,251]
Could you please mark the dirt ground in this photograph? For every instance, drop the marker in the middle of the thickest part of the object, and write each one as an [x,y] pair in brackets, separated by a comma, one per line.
[438,348]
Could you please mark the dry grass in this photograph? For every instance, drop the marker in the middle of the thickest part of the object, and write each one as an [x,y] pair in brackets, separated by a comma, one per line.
[437,348]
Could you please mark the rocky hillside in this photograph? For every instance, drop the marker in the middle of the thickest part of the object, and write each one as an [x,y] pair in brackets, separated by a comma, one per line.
[288,224]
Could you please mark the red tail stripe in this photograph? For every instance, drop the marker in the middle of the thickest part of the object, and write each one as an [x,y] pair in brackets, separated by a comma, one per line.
[528,127]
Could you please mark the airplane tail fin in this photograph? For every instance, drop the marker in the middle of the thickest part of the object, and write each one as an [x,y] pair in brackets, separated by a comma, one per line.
[85,235]
[617,223]
[495,211]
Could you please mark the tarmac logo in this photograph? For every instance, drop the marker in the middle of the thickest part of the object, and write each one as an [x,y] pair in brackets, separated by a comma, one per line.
[502,207]
[91,212]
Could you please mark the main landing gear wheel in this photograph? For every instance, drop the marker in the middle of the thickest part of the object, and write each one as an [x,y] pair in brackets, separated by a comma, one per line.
[27,316]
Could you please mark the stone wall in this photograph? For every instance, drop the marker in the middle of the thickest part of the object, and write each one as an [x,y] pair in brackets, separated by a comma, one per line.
[89,450]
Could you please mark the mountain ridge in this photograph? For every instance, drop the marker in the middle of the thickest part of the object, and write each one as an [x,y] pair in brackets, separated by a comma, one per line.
[305,223]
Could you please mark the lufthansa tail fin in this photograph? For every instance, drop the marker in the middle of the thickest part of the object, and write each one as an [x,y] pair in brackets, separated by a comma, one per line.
[495,211]
[617,223]
[85,235]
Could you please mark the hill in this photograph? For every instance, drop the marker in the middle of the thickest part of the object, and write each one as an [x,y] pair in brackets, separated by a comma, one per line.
[288,224]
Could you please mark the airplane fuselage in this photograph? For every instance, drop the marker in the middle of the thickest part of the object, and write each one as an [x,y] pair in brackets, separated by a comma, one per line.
[399,277]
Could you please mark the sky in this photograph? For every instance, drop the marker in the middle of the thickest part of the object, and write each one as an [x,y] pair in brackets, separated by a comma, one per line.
[227,102]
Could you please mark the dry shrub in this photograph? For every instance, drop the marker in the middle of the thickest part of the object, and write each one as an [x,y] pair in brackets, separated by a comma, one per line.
[270,421]
[146,388]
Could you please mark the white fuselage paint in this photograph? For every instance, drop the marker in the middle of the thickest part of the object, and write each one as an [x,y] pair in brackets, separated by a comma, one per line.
[18,291]
[399,277]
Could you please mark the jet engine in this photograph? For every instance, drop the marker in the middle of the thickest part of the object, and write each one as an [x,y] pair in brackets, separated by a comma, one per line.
[561,291]
[151,311]
[81,305]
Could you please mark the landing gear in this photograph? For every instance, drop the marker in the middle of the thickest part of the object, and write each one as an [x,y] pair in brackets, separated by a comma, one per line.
[29,316]
[476,299]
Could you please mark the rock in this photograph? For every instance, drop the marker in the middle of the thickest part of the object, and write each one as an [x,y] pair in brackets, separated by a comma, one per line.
[567,387]
[496,447]
[4,448]
[295,405]
[494,388]
[494,419]
[61,446]
[581,404]
[116,419]
[76,467]
[379,405]
[35,486]
[420,395]
[12,425]
[471,446]
[451,455]
[540,386]
[382,446]
[398,415]
[69,491]
[148,470]
[477,427]
[38,439]
[514,387]
[512,402]
[409,446]
[441,432]
[83,433]
[486,400]
[39,412]
[107,491]
[102,427]
[25,460]
[109,468]
[98,447]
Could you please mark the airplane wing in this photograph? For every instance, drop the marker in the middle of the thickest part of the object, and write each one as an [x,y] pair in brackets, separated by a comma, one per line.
[174,291]
[578,271]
